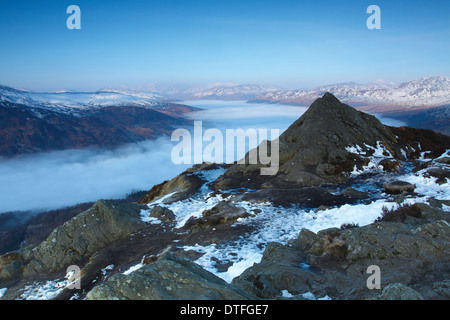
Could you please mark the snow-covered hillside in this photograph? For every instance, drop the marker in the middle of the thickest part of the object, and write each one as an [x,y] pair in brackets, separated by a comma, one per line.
[239,92]
[66,101]
[422,92]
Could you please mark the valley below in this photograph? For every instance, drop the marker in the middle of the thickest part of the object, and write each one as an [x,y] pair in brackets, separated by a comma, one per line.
[350,192]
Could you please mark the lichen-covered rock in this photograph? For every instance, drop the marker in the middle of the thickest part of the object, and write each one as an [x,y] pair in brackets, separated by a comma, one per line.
[77,239]
[398,291]
[224,212]
[168,278]
[10,265]
[334,262]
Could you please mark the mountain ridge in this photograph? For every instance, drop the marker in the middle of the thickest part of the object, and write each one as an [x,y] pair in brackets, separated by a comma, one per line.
[421,93]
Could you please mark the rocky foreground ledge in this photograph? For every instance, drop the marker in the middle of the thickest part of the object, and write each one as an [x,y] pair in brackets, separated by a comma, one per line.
[413,255]
[153,249]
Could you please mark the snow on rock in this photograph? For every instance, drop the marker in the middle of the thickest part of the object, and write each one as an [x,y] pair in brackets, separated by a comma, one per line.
[281,224]
[379,153]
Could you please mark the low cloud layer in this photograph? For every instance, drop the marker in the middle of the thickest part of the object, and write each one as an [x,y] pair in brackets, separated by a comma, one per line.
[58,179]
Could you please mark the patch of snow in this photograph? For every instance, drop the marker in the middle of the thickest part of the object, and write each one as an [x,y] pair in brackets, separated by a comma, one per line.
[145,217]
[133,268]
[354,149]
[43,290]
[106,269]
[2,291]
[286,294]
[445,154]
[210,175]
[427,186]
[309,295]
[379,153]
[277,224]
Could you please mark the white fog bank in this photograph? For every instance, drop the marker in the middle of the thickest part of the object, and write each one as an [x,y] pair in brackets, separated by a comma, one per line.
[57,179]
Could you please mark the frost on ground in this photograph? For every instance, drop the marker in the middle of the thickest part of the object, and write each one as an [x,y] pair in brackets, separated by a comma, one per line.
[280,224]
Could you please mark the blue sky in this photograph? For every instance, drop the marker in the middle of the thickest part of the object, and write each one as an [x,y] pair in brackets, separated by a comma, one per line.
[294,44]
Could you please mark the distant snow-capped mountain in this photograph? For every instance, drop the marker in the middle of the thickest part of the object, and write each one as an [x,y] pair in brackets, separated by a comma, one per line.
[422,92]
[74,102]
[223,92]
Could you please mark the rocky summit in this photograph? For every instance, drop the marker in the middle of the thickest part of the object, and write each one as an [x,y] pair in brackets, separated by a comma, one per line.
[357,210]
[315,149]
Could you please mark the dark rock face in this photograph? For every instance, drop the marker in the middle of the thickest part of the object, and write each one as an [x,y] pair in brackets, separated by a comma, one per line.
[413,255]
[75,240]
[170,278]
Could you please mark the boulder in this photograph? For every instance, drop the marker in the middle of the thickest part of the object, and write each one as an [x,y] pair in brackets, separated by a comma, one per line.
[80,237]
[398,291]
[171,277]
[279,269]
[390,165]
[444,160]
[223,213]
[10,265]
[398,187]
[334,262]
[162,213]
[442,175]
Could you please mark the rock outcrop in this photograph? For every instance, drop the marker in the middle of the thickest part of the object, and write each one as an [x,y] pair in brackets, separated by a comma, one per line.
[224,213]
[313,150]
[75,240]
[414,255]
[171,277]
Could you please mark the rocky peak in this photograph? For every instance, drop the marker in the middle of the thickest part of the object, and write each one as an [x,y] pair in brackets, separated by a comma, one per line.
[330,123]
[317,148]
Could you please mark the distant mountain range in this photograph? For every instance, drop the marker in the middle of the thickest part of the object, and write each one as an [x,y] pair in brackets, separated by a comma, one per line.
[61,119]
[235,92]
[419,93]
[380,96]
